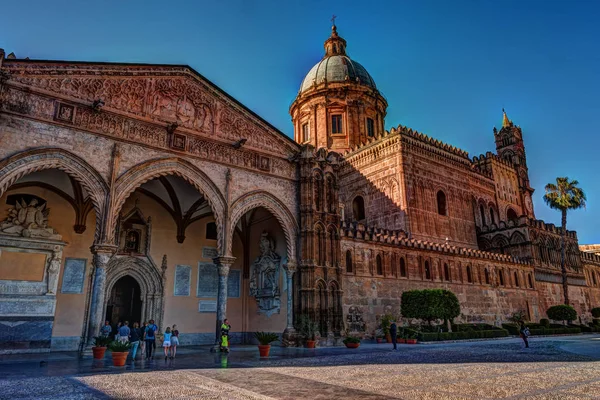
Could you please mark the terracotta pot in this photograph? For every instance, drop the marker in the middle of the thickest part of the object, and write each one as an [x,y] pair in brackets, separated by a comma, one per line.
[401,341]
[352,345]
[264,350]
[388,338]
[98,352]
[411,341]
[310,344]
[119,358]
[379,340]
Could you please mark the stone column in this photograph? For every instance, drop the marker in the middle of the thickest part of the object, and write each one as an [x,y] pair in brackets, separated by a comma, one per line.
[290,269]
[223,264]
[101,256]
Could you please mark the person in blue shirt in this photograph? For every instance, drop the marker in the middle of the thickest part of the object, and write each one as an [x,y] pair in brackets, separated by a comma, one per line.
[150,338]
[167,342]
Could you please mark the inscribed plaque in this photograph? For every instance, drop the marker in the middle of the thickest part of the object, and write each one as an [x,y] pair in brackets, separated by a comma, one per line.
[233,283]
[183,277]
[74,275]
[208,280]
[209,252]
[208,306]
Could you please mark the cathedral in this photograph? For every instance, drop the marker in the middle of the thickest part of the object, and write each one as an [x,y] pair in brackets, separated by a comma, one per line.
[131,192]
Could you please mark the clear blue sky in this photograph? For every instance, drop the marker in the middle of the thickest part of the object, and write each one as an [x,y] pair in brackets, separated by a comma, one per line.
[446,68]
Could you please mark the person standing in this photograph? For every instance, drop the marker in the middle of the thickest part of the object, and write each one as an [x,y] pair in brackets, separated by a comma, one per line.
[167,342]
[116,331]
[143,338]
[394,333]
[150,338]
[524,333]
[174,341]
[106,329]
[134,338]
[124,332]
[225,327]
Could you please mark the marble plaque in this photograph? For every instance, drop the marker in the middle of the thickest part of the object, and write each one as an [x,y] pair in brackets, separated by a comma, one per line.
[207,306]
[233,283]
[74,275]
[209,252]
[183,277]
[208,280]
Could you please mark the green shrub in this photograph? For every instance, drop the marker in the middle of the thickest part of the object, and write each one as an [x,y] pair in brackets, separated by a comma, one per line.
[462,335]
[351,339]
[596,321]
[511,328]
[101,341]
[430,304]
[545,322]
[119,347]
[562,312]
[265,338]
[596,312]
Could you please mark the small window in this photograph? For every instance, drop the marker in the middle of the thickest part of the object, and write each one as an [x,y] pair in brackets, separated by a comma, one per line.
[358,208]
[305,133]
[469,277]
[501,277]
[530,280]
[427,270]
[393,266]
[370,127]
[482,212]
[594,278]
[379,265]
[516,279]
[336,124]
[441,202]
[211,231]
[492,217]
[511,215]
[446,272]
[487,277]
[402,267]
[349,261]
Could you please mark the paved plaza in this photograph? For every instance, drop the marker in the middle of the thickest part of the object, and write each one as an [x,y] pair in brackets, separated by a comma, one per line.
[553,368]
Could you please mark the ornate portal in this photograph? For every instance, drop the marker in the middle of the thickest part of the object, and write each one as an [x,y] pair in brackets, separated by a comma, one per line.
[264,277]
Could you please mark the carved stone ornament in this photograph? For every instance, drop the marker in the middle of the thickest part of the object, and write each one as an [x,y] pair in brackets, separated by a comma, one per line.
[264,278]
[29,220]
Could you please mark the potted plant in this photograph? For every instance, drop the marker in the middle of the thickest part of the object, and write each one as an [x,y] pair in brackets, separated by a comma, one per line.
[351,342]
[265,339]
[99,348]
[379,335]
[119,351]
[411,338]
[386,322]
[401,337]
[308,330]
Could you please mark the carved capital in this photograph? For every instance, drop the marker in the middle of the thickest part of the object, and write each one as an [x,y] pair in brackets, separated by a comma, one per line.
[102,253]
[223,264]
[290,267]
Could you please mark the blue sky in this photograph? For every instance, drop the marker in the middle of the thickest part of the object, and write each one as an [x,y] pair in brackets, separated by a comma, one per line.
[446,68]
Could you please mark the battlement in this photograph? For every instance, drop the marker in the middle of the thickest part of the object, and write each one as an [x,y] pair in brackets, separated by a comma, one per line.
[523,221]
[399,238]
[592,258]
[483,163]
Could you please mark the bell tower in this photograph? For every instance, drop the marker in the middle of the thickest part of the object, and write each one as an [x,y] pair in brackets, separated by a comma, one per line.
[338,106]
[510,147]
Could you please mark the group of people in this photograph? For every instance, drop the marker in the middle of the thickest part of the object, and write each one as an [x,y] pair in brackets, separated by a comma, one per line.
[144,337]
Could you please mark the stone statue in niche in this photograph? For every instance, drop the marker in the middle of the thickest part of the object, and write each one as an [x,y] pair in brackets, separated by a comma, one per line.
[53,269]
[264,277]
[29,220]
[133,242]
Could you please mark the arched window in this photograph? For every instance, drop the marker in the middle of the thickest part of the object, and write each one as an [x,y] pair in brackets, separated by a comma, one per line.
[469,277]
[516,279]
[487,276]
[394,270]
[318,189]
[530,280]
[441,203]
[482,212]
[427,270]
[511,215]
[358,208]
[446,272]
[492,217]
[320,247]
[594,278]
[402,267]
[501,277]
[379,265]
[349,261]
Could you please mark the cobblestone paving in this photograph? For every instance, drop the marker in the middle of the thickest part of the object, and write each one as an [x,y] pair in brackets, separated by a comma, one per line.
[482,370]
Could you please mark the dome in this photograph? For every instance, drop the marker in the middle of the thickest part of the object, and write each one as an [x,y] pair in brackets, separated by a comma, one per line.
[337,68]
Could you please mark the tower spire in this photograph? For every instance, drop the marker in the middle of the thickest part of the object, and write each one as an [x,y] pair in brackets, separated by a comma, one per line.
[505,121]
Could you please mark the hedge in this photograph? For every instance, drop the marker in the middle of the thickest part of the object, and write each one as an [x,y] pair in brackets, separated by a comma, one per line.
[433,337]
[514,330]
[596,312]
[590,329]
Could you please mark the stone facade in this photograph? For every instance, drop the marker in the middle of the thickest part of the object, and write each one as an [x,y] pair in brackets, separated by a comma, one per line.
[176,203]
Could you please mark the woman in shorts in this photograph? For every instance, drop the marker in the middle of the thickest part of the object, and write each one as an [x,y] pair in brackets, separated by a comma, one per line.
[167,342]
[174,341]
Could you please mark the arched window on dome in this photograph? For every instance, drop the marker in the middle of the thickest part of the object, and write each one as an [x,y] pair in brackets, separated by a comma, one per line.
[370,127]
[358,208]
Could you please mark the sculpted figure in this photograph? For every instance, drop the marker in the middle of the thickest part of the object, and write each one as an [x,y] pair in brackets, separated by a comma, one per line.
[264,277]
[28,220]
[53,268]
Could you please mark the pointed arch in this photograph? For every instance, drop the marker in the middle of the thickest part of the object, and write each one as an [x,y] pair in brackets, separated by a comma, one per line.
[16,166]
[148,170]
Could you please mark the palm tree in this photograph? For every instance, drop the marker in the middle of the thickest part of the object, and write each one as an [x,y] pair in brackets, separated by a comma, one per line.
[564,196]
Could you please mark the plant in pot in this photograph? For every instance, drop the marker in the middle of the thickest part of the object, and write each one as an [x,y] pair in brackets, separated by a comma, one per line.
[308,330]
[351,342]
[386,322]
[119,351]
[379,335]
[265,339]
[99,348]
[401,337]
[411,338]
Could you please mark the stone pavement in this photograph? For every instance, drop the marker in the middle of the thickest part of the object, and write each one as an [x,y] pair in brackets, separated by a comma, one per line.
[554,368]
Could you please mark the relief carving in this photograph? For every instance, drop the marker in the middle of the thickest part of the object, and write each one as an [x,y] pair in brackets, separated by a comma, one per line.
[29,220]
[264,277]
